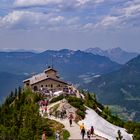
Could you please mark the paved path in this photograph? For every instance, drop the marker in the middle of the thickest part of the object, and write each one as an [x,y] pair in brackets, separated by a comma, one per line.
[74,130]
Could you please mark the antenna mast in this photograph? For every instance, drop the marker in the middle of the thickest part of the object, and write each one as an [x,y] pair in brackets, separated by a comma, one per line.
[52,61]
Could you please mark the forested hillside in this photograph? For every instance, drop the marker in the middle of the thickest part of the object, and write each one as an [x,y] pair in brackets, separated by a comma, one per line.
[20,119]
[120,87]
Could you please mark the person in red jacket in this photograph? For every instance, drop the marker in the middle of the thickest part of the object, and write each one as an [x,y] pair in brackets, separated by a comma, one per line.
[92,131]
[70,119]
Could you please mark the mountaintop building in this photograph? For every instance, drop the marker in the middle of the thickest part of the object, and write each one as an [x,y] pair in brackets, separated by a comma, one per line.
[48,80]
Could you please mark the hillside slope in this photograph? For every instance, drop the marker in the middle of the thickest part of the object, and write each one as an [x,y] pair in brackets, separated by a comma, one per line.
[20,119]
[100,118]
[120,87]
[102,127]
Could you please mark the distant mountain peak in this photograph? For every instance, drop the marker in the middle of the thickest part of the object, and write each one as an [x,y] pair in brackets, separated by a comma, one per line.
[115,54]
[117,49]
[96,51]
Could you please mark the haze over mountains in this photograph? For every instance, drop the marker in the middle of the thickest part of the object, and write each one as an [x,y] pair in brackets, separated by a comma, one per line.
[73,66]
[115,54]
[113,83]
[121,87]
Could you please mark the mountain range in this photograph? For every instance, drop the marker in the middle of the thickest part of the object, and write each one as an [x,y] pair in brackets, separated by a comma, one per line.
[115,54]
[121,87]
[114,84]
[74,66]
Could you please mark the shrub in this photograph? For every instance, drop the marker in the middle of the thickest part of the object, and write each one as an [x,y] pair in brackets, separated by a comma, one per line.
[81,113]
[58,98]
[78,106]
[66,134]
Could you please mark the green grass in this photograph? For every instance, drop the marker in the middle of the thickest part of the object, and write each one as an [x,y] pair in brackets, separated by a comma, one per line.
[66,134]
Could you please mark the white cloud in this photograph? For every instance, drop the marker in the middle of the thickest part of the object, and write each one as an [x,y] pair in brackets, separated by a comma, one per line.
[26,3]
[131,10]
[57,19]
[87,3]
[89,26]
[27,19]
[109,20]
[83,14]
[58,3]
[127,15]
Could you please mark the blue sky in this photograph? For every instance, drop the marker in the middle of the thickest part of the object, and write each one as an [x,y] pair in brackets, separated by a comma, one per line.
[72,24]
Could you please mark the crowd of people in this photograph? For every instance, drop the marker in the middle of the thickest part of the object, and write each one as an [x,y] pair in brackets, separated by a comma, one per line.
[65,114]
[89,133]
[83,131]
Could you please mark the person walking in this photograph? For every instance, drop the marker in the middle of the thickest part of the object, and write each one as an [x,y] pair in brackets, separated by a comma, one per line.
[81,126]
[57,135]
[70,119]
[44,135]
[88,134]
[92,131]
[61,115]
[83,133]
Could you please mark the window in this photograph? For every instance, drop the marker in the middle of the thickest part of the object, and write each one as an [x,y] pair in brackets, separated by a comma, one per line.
[35,88]
[41,85]
[27,84]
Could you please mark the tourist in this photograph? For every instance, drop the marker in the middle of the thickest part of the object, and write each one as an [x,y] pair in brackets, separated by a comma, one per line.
[57,135]
[83,133]
[50,113]
[70,119]
[61,115]
[82,126]
[92,131]
[64,114]
[44,135]
[88,134]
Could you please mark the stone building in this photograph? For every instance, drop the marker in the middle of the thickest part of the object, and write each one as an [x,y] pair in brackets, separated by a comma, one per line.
[48,80]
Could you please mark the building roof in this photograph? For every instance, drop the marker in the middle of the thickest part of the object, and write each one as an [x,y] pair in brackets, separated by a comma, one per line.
[49,78]
[36,78]
[41,77]
[50,69]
